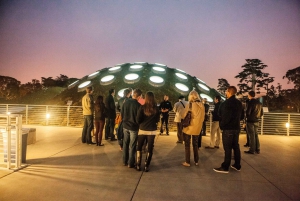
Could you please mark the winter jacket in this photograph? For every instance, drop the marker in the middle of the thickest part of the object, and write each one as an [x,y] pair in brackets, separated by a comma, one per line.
[147,123]
[129,112]
[198,113]
[87,104]
[254,111]
[111,107]
[231,113]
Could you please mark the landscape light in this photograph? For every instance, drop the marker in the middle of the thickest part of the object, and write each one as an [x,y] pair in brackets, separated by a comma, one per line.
[8,113]
[287,125]
[47,115]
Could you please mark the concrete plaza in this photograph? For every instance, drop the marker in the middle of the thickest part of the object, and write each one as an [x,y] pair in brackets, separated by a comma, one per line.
[60,167]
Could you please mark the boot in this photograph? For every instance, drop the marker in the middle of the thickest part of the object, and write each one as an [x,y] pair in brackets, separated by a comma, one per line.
[138,160]
[147,161]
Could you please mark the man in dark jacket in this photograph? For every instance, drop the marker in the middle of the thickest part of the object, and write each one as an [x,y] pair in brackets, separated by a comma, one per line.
[130,127]
[254,112]
[215,127]
[231,113]
[111,116]
[164,108]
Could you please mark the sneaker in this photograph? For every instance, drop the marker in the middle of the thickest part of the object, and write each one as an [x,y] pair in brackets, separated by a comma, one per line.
[248,152]
[246,145]
[217,147]
[186,164]
[257,151]
[209,147]
[220,170]
[235,168]
[196,164]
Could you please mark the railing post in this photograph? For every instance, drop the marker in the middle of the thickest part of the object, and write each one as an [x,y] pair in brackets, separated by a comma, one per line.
[8,131]
[26,117]
[262,125]
[68,111]
[46,115]
[288,125]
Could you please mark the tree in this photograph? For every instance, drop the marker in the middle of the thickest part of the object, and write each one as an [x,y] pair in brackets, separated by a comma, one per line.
[48,82]
[9,88]
[293,75]
[293,95]
[252,74]
[222,85]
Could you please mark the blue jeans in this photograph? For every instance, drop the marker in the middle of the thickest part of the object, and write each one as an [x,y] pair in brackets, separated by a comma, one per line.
[87,129]
[231,141]
[109,128]
[129,146]
[253,136]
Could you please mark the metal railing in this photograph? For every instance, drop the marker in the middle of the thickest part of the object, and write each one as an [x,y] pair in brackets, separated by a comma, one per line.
[270,124]
[11,141]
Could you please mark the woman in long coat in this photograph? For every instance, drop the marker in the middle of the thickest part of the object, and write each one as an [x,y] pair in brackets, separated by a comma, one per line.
[193,130]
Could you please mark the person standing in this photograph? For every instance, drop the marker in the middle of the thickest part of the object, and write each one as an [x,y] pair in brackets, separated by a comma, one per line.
[111,115]
[148,117]
[88,112]
[254,112]
[99,120]
[215,127]
[126,94]
[192,131]
[179,109]
[165,107]
[231,113]
[129,112]
[206,118]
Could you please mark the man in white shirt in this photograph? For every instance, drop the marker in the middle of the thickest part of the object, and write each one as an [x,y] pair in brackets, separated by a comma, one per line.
[179,108]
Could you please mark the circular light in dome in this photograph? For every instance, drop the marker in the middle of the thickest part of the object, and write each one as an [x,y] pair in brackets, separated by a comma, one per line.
[180,70]
[95,73]
[107,78]
[121,92]
[156,79]
[200,80]
[203,87]
[142,62]
[136,67]
[182,87]
[160,69]
[131,76]
[223,98]
[73,84]
[86,83]
[158,64]
[181,76]
[114,68]
[209,99]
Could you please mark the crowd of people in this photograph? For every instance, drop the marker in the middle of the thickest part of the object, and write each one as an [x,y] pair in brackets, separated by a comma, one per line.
[138,119]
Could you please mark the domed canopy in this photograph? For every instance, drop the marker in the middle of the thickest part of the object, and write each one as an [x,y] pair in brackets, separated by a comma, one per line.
[158,78]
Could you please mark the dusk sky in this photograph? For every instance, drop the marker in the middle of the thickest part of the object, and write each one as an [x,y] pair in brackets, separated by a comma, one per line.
[209,39]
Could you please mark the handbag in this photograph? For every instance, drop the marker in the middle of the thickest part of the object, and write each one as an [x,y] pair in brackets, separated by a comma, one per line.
[187,119]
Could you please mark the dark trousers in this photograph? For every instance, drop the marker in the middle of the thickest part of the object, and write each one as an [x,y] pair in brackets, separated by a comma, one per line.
[252,131]
[231,141]
[164,119]
[146,138]
[187,145]
[99,130]
[204,128]
[179,131]
[109,128]
[87,129]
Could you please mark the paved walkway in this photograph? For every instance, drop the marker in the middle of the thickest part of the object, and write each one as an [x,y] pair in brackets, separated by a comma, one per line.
[60,167]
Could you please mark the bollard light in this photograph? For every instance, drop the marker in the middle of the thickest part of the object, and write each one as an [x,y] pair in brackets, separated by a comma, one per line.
[8,113]
[47,115]
[287,125]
